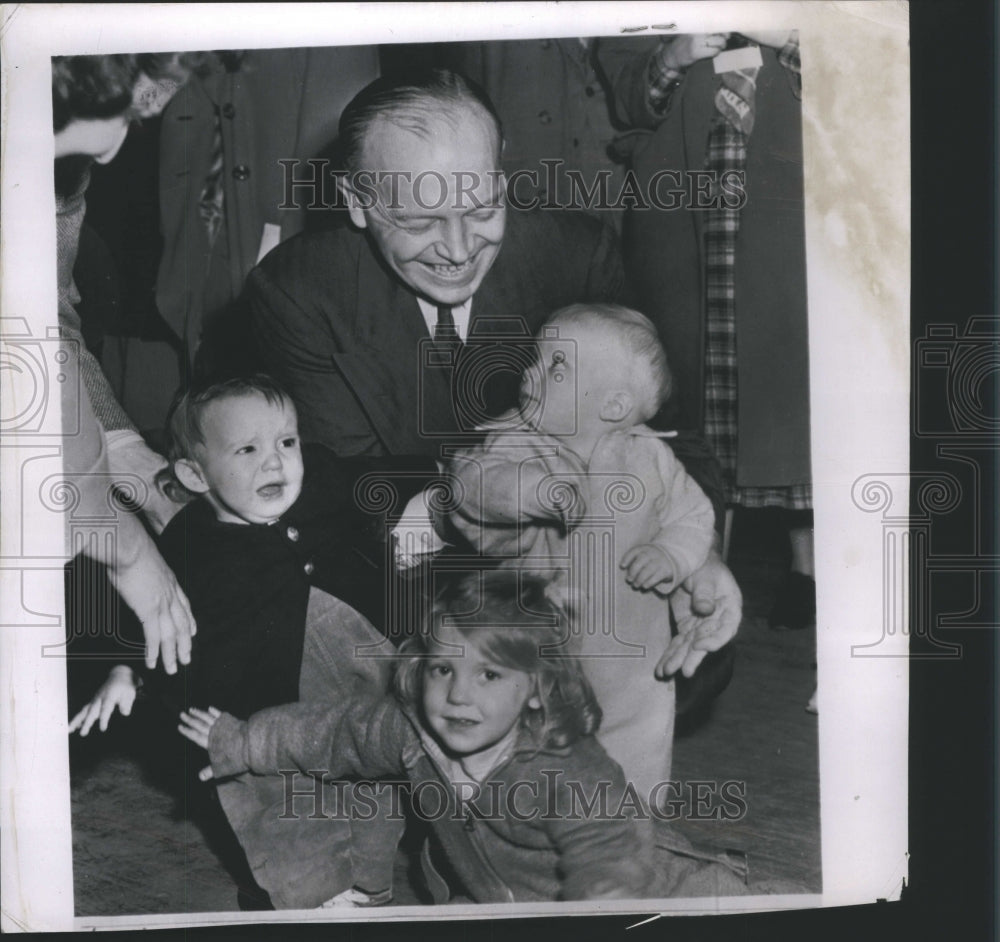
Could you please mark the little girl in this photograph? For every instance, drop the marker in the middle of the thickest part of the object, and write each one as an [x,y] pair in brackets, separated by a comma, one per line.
[494,731]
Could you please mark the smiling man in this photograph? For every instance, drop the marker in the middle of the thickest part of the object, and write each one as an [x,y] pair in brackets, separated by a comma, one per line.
[347,319]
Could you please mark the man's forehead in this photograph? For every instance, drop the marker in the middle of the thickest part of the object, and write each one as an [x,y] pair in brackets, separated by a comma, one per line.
[451,132]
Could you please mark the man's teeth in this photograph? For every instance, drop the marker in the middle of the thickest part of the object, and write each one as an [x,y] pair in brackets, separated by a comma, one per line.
[452,269]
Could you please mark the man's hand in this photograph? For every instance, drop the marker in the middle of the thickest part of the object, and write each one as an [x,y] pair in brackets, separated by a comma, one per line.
[414,538]
[775,38]
[677,53]
[647,566]
[196,725]
[708,608]
[117,691]
[149,588]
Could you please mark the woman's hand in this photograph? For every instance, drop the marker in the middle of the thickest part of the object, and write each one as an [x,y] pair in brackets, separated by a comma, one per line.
[150,589]
[117,691]
[196,725]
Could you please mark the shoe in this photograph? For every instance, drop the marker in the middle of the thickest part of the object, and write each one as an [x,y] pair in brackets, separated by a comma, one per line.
[795,606]
[358,899]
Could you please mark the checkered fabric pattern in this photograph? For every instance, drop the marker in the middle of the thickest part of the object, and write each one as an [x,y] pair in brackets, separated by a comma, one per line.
[727,151]
[660,84]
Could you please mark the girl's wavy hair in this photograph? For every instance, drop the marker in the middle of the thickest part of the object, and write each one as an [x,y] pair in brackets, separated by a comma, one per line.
[515,622]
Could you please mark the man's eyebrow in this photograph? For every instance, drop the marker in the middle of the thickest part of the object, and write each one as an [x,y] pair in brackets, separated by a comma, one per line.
[404,216]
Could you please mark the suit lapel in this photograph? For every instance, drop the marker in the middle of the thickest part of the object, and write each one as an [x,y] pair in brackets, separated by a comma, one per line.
[386,365]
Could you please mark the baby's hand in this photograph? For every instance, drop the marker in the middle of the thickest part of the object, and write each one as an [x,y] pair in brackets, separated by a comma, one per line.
[647,566]
[196,725]
[678,53]
[117,691]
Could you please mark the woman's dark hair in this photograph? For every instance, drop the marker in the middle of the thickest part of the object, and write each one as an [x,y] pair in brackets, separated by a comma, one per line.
[514,621]
[409,100]
[94,87]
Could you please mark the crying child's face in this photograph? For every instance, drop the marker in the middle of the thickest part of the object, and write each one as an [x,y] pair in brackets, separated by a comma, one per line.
[251,461]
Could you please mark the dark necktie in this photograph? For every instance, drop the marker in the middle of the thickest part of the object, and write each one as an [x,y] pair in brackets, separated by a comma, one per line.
[445,331]
[211,202]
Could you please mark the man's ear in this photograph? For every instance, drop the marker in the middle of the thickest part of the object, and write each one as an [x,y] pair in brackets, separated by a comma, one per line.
[617,406]
[353,202]
[189,474]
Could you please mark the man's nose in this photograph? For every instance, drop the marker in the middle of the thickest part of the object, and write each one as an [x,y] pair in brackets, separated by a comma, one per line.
[455,241]
[272,460]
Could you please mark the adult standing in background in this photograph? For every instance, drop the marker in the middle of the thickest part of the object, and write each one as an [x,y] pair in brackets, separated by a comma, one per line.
[726,286]
[224,200]
[94,100]
[553,105]
[223,193]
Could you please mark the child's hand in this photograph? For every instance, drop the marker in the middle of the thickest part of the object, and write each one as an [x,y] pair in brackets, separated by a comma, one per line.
[117,691]
[196,725]
[678,53]
[647,566]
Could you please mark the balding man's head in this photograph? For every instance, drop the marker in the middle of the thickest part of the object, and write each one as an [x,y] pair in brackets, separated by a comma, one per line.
[416,103]
[424,178]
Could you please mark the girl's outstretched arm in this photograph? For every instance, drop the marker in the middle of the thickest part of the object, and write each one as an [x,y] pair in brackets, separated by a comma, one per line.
[364,738]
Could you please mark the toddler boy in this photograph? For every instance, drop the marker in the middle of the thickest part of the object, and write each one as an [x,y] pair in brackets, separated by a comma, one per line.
[278,560]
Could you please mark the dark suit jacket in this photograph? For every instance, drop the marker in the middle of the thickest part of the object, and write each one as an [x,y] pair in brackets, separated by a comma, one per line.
[351,345]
